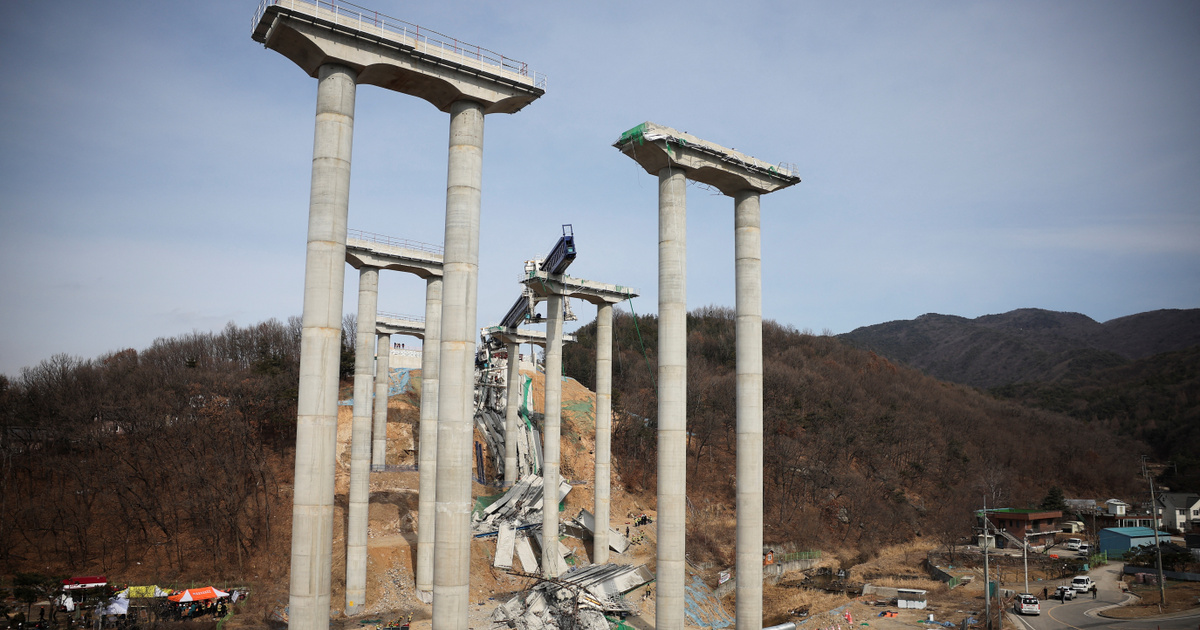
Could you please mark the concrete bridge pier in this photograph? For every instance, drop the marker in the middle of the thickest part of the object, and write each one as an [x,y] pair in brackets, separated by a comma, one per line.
[672,397]
[383,360]
[671,153]
[603,480]
[559,287]
[342,45]
[320,351]
[452,536]
[427,436]
[749,374]
[360,440]
[551,436]
[513,391]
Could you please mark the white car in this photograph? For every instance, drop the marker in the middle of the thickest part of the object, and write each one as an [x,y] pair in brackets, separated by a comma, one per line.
[1063,593]
[1026,604]
[1081,584]
[1084,549]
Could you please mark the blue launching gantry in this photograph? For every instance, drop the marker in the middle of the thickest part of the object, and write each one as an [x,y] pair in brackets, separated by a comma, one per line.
[563,253]
[555,264]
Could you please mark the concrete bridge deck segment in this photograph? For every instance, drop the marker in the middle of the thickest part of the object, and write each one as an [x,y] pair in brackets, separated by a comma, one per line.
[655,147]
[366,250]
[391,324]
[521,336]
[395,55]
[544,285]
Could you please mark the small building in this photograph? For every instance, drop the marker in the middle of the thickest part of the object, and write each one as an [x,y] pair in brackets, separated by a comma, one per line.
[1038,526]
[1118,540]
[910,598]
[1116,507]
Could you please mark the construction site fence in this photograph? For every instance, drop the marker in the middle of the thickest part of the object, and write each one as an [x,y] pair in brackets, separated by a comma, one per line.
[1170,575]
[811,554]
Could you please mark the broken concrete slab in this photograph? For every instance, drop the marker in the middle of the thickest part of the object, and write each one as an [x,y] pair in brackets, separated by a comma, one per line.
[616,541]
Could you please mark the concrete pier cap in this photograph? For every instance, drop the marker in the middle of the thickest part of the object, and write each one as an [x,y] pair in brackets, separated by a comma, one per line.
[599,293]
[655,147]
[395,55]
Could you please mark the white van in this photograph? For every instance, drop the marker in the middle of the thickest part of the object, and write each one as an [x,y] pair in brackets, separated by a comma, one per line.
[1081,584]
[1026,604]
[1073,544]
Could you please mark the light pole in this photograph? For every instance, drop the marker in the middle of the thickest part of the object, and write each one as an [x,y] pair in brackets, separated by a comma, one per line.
[987,579]
[1025,558]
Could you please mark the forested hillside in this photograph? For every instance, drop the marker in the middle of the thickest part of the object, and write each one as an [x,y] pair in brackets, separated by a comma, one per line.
[170,457]
[859,450]
[178,456]
[1156,400]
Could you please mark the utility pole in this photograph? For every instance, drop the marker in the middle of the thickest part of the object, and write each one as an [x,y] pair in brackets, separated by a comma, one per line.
[987,576]
[1162,587]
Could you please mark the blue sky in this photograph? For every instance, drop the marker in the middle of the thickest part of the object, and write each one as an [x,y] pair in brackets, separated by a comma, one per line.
[960,158]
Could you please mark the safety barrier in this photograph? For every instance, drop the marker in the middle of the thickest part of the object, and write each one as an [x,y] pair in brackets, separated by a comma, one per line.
[405,33]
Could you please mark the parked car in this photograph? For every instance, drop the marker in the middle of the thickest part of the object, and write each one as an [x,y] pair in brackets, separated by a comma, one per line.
[1073,544]
[1064,593]
[1026,604]
[1081,584]
[1085,549]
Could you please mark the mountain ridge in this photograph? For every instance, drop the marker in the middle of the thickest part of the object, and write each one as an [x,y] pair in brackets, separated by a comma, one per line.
[1025,345]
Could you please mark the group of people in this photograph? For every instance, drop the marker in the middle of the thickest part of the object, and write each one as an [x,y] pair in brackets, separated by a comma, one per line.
[216,608]
[1061,594]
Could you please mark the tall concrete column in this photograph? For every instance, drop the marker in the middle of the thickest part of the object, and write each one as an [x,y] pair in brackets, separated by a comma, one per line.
[452,536]
[604,319]
[320,351]
[511,418]
[383,367]
[749,371]
[360,442]
[552,430]
[672,397]
[428,433]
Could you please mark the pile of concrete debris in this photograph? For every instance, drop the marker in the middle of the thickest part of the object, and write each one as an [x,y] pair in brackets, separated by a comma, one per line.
[515,518]
[578,600]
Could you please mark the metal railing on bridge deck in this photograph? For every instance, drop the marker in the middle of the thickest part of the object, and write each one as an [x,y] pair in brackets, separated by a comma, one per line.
[371,237]
[400,316]
[422,40]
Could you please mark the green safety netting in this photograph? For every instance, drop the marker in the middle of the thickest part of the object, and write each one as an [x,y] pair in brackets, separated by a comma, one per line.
[633,135]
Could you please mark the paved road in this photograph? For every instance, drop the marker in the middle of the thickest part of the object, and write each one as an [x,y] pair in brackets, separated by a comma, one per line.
[1081,613]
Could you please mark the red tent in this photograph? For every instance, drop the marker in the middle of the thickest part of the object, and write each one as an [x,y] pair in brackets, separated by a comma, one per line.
[87,581]
[197,594]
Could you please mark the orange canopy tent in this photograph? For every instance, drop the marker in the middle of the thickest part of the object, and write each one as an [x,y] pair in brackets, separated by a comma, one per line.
[197,594]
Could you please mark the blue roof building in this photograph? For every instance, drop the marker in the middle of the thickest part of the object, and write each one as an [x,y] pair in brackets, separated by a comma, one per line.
[1118,540]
